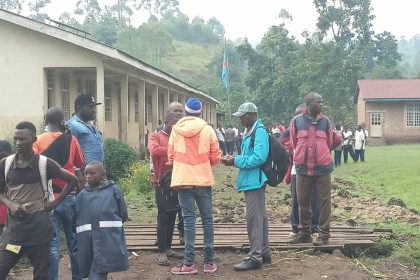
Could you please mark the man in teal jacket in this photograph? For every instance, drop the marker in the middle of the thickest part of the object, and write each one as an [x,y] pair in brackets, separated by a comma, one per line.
[252,181]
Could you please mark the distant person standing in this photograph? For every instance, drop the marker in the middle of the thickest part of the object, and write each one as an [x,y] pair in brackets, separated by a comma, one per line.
[339,149]
[347,144]
[230,140]
[221,137]
[192,150]
[5,150]
[81,126]
[359,142]
[366,132]
[252,181]
[58,144]
[312,138]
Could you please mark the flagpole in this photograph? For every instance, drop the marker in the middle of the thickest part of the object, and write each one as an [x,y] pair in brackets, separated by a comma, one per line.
[225,77]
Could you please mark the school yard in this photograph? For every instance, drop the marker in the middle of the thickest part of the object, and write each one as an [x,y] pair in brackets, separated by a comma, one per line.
[364,194]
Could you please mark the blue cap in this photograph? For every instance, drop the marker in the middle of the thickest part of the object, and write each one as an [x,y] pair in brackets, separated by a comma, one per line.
[193,106]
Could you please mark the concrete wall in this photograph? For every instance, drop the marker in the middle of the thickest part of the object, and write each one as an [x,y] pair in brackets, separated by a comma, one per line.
[395,129]
[23,56]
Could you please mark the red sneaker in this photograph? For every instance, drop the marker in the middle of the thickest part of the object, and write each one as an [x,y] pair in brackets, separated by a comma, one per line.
[184,269]
[210,268]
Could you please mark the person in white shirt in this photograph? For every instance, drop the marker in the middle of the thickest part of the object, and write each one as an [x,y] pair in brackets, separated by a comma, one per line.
[359,137]
[366,138]
[347,144]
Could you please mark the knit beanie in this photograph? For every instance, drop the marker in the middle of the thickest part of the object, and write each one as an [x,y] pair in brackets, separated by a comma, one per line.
[193,106]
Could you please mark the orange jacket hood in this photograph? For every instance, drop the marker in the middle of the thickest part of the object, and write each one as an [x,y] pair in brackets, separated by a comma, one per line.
[189,126]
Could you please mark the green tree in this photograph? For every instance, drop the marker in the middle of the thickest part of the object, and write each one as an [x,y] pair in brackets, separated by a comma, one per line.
[90,9]
[11,5]
[345,20]
[35,9]
[157,7]
[123,11]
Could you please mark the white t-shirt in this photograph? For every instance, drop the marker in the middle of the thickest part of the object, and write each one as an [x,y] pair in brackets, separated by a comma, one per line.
[359,138]
[347,135]
[366,137]
[236,131]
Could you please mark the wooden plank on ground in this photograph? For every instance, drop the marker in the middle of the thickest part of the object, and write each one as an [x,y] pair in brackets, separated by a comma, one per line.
[234,236]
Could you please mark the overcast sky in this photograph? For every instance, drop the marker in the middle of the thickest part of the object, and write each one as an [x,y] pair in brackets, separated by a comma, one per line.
[251,19]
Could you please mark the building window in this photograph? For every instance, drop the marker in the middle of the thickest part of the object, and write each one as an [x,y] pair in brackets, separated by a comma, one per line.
[90,87]
[413,115]
[108,103]
[50,88]
[65,94]
[376,119]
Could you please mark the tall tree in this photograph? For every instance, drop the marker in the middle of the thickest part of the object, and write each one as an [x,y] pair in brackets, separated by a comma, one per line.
[123,11]
[36,7]
[345,20]
[90,9]
[11,5]
[157,7]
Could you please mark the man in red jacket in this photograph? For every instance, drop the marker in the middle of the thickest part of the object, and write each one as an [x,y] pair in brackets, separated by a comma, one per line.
[312,138]
[158,149]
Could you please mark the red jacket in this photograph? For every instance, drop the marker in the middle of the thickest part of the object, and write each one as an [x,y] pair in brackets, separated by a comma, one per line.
[312,140]
[158,149]
[3,213]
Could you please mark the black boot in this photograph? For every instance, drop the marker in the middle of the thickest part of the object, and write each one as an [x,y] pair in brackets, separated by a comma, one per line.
[247,264]
[302,237]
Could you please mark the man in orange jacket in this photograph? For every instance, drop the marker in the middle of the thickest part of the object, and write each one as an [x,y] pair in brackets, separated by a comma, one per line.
[192,150]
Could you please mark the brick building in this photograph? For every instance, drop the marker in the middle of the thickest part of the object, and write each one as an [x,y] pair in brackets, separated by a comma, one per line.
[390,109]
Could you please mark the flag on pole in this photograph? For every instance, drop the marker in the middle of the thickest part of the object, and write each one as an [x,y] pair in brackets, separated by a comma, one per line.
[225,69]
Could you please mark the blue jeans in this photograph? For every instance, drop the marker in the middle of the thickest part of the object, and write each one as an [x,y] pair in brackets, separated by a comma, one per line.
[294,217]
[63,216]
[203,197]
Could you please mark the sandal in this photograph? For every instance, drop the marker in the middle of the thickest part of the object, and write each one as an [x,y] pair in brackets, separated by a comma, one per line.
[162,262]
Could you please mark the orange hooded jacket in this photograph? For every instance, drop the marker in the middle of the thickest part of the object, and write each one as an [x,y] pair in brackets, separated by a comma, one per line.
[192,150]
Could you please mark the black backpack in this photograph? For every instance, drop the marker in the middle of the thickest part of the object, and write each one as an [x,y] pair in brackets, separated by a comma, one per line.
[275,167]
[166,198]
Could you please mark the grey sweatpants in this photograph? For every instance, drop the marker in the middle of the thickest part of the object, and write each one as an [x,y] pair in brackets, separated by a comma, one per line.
[257,224]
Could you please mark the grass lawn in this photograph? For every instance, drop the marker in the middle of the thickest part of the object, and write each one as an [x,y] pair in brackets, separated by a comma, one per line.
[389,171]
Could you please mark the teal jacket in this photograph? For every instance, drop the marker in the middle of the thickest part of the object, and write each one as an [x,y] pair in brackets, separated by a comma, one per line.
[251,176]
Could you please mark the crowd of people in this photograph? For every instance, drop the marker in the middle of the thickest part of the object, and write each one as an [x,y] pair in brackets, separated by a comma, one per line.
[353,144]
[79,200]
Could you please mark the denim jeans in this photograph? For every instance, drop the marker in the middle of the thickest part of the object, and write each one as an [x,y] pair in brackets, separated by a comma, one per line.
[203,197]
[348,149]
[294,216]
[337,157]
[359,154]
[63,217]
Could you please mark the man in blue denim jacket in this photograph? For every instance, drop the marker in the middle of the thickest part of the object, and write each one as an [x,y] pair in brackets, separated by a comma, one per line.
[89,137]
[252,181]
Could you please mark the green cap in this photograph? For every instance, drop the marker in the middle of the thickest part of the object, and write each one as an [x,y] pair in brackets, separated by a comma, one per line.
[247,107]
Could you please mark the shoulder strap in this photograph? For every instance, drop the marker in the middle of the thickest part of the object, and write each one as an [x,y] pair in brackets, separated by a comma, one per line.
[252,142]
[46,186]
[7,165]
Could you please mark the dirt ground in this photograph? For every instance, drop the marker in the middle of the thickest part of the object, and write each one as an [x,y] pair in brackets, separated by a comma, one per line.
[285,265]
[229,207]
